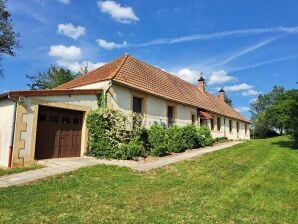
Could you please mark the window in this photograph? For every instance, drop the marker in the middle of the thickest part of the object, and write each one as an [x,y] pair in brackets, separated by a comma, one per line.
[137,105]
[245,128]
[237,126]
[212,123]
[230,126]
[76,121]
[218,123]
[170,116]
[193,119]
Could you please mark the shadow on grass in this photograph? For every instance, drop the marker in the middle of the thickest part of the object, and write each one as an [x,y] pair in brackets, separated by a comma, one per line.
[287,144]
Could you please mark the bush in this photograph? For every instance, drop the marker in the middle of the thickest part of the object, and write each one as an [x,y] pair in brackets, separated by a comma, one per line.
[191,136]
[205,133]
[131,150]
[108,135]
[176,142]
[158,140]
[221,139]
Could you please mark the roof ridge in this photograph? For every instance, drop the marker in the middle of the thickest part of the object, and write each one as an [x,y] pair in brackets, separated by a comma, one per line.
[126,55]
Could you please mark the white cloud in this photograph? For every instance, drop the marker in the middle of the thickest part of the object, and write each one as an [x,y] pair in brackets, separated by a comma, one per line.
[110,45]
[218,77]
[66,53]
[188,75]
[250,92]
[242,109]
[80,66]
[66,2]
[118,12]
[239,87]
[69,30]
[253,100]
[219,35]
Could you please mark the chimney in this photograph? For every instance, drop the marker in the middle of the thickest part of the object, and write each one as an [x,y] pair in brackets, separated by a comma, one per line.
[201,84]
[222,94]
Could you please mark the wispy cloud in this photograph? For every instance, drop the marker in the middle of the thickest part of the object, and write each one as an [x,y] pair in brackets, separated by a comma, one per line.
[110,45]
[218,35]
[246,67]
[248,50]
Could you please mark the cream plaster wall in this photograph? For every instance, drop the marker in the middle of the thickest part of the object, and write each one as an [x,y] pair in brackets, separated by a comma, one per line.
[155,108]
[6,127]
[97,85]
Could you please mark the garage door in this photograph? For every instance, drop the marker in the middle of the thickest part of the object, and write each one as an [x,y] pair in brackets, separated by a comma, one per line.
[59,133]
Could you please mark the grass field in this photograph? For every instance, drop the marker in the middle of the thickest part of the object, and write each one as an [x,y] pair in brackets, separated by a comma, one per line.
[254,182]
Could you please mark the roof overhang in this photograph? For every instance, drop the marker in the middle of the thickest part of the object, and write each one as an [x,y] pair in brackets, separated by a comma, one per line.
[60,92]
[206,115]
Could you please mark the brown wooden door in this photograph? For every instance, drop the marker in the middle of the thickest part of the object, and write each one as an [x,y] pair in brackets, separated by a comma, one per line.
[58,133]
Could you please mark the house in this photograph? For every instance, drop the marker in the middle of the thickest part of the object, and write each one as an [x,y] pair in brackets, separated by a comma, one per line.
[52,123]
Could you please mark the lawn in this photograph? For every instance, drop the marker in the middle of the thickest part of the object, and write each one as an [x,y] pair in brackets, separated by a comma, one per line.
[254,182]
[4,172]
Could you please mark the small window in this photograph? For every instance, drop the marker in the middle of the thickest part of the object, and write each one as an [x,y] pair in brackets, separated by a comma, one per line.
[42,117]
[218,123]
[212,124]
[237,126]
[170,116]
[76,121]
[230,126]
[65,120]
[193,119]
[54,119]
[137,105]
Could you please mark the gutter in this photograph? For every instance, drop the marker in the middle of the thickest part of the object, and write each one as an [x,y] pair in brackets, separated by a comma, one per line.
[13,131]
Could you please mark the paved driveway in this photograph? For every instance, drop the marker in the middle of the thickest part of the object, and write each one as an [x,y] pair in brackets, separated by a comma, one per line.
[64,165]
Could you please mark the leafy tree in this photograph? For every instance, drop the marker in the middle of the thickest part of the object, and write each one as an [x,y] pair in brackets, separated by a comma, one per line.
[8,38]
[228,100]
[54,77]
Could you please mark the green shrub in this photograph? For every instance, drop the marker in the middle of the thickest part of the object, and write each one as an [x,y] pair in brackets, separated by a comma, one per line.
[176,142]
[221,139]
[191,136]
[158,140]
[205,133]
[107,133]
[131,150]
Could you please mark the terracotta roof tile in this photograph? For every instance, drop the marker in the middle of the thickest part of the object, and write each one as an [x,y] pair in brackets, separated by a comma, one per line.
[53,92]
[131,72]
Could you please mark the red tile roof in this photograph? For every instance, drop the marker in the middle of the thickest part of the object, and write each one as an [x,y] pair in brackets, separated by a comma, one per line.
[133,73]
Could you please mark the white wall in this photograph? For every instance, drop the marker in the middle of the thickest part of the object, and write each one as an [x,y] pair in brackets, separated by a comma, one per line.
[97,85]
[6,127]
[225,129]
[156,108]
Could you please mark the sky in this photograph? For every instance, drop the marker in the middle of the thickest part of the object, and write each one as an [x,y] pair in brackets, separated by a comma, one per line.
[245,47]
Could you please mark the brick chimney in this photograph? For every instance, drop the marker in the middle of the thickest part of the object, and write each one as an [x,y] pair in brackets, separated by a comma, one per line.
[221,94]
[201,84]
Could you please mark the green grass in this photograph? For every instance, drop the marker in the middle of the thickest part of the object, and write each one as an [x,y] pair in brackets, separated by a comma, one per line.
[4,172]
[254,182]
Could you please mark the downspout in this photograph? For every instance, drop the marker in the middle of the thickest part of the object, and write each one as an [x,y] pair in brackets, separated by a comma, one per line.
[107,91]
[12,131]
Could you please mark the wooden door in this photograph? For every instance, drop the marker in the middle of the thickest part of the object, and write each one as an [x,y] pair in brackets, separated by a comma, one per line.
[58,133]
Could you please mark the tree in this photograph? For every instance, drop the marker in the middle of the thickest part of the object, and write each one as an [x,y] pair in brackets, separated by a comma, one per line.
[228,100]
[54,77]
[8,38]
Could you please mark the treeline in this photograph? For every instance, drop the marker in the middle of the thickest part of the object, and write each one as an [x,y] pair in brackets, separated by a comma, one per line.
[276,113]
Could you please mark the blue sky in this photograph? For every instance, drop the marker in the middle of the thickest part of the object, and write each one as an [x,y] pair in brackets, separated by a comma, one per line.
[244,46]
